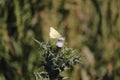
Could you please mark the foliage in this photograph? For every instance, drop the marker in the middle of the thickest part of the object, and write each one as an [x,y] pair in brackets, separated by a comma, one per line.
[56,60]
[93,26]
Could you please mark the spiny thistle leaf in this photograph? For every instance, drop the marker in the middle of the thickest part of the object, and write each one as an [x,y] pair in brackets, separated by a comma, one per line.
[57,60]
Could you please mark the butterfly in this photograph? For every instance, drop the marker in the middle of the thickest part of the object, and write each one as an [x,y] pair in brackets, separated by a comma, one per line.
[54,33]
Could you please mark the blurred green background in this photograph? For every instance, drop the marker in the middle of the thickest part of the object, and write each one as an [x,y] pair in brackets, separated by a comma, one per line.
[93,26]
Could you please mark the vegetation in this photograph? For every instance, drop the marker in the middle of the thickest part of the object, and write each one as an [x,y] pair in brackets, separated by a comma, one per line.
[56,60]
[92,26]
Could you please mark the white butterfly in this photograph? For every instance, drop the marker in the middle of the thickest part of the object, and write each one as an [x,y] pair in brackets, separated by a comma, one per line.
[54,33]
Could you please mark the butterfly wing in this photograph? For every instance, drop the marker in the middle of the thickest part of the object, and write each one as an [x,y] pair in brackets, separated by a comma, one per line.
[54,33]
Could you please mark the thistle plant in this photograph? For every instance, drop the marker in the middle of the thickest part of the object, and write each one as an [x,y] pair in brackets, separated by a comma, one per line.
[56,58]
